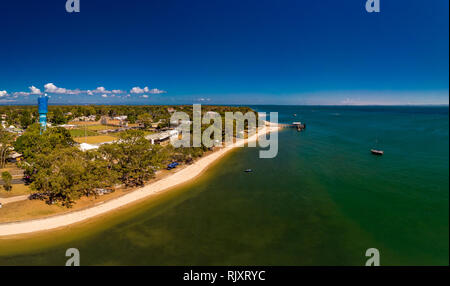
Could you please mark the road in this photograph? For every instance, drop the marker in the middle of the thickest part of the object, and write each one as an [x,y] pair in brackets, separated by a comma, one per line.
[5,201]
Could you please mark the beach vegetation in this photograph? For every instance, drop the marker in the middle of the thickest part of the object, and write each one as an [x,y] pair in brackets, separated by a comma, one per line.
[7,180]
[133,158]
[32,143]
[67,174]
[58,172]
[6,140]
[146,120]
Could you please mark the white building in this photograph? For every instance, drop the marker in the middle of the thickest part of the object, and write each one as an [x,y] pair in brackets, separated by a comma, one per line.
[121,118]
[162,137]
[86,147]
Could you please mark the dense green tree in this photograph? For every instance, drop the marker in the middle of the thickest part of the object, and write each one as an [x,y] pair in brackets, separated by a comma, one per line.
[25,119]
[132,118]
[7,179]
[157,113]
[146,119]
[134,158]
[32,143]
[62,173]
[58,117]
[6,140]
[67,174]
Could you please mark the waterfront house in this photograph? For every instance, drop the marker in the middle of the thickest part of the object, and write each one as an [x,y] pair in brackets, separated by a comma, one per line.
[162,138]
[86,147]
[68,126]
[14,157]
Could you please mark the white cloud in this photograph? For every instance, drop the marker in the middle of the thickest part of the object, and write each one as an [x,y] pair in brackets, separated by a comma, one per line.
[34,90]
[137,90]
[101,89]
[50,87]
[352,101]
[7,100]
[21,93]
[156,91]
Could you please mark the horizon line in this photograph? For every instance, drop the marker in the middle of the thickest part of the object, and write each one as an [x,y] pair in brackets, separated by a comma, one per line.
[234,104]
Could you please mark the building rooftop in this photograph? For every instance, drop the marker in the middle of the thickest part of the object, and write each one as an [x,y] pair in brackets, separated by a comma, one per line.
[161,135]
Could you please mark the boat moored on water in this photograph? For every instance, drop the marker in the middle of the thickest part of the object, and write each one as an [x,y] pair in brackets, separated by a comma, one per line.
[300,126]
[377,152]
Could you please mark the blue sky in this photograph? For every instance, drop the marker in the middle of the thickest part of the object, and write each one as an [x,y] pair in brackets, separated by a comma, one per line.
[225,52]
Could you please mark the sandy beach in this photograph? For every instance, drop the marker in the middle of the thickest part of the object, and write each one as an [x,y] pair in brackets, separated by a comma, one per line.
[180,177]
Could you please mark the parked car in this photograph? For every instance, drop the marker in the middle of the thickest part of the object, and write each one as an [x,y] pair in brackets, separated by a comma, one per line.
[172,165]
[101,192]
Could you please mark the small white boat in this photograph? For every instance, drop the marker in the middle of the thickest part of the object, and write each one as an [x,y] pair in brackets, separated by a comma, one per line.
[377,152]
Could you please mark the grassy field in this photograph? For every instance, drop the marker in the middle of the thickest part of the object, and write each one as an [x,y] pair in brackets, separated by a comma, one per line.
[26,210]
[146,132]
[82,133]
[82,123]
[95,139]
[17,190]
[12,169]
[100,127]
[32,209]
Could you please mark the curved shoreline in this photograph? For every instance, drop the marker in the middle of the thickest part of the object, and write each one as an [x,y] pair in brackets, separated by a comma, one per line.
[178,178]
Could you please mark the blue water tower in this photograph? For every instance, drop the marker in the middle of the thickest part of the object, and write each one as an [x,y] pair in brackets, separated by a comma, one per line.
[43,109]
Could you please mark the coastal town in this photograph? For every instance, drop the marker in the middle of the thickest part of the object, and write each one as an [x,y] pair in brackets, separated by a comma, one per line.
[78,156]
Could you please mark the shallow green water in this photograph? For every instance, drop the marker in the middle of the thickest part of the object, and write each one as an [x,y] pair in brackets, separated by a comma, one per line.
[323,200]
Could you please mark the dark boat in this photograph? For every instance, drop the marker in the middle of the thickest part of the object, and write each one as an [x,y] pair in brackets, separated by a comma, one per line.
[300,126]
[377,152]
[248,171]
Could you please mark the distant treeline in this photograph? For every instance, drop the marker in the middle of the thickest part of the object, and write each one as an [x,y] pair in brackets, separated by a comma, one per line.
[61,114]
